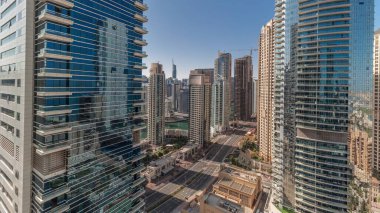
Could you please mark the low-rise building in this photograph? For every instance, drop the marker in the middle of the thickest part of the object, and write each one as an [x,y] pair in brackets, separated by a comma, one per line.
[375,195]
[160,167]
[240,186]
[212,203]
[187,151]
[236,191]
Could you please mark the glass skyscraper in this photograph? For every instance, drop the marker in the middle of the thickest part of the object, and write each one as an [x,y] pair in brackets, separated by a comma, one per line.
[71,83]
[333,102]
[285,26]
[221,93]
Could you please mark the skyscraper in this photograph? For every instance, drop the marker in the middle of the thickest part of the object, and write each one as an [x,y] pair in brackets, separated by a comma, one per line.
[376,73]
[183,102]
[333,102]
[66,142]
[283,142]
[200,108]
[174,74]
[221,92]
[375,155]
[243,88]
[266,91]
[255,94]
[156,105]
[207,71]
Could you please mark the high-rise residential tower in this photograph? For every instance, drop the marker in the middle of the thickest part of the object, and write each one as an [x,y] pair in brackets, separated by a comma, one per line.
[221,92]
[375,155]
[156,105]
[255,83]
[285,28]
[243,88]
[207,71]
[70,86]
[376,70]
[266,91]
[183,102]
[333,102]
[200,108]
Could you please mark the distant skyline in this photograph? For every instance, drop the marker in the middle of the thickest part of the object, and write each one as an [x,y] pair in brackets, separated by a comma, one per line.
[192,32]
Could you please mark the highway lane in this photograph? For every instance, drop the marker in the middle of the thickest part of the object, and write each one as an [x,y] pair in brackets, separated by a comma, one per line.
[215,156]
[198,184]
[155,197]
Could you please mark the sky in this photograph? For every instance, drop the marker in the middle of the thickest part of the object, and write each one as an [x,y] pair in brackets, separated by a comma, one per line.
[191,32]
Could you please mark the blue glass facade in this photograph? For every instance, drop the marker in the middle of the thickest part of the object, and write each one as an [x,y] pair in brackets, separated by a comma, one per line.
[333,108]
[87,94]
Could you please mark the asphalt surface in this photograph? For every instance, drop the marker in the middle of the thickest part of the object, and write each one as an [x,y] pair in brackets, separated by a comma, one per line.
[198,177]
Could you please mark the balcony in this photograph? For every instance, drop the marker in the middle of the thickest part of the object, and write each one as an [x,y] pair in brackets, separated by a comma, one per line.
[141,30]
[137,207]
[53,129]
[138,157]
[55,54]
[140,66]
[56,112]
[139,79]
[139,127]
[137,194]
[50,175]
[138,91]
[141,6]
[55,36]
[137,170]
[49,94]
[140,54]
[51,149]
[59,209]
[55,17]
[140,103]
[141,18]
[63,3]
[41,198]
[52,72]
[140,42]
[138,182]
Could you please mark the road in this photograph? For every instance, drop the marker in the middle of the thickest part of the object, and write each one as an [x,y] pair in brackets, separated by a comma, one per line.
[198,177]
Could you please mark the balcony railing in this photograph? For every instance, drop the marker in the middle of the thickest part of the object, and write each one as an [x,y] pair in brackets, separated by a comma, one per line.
[141,6]
[48,15]
[141,18]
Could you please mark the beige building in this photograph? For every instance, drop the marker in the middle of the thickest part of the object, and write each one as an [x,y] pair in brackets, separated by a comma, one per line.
[266,91]
[376,71]
[236,190]
[156,105]
[160,167]
[200,108]
[360,154]
[375,160]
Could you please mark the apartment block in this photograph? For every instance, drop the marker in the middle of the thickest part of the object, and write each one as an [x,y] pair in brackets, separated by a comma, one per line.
[243,88]
[266,91]
[156,105]
[200,108]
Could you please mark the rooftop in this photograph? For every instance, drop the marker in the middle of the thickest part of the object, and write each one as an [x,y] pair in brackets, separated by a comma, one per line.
[162,161]
[239,180]
[188,147]
[225,205]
